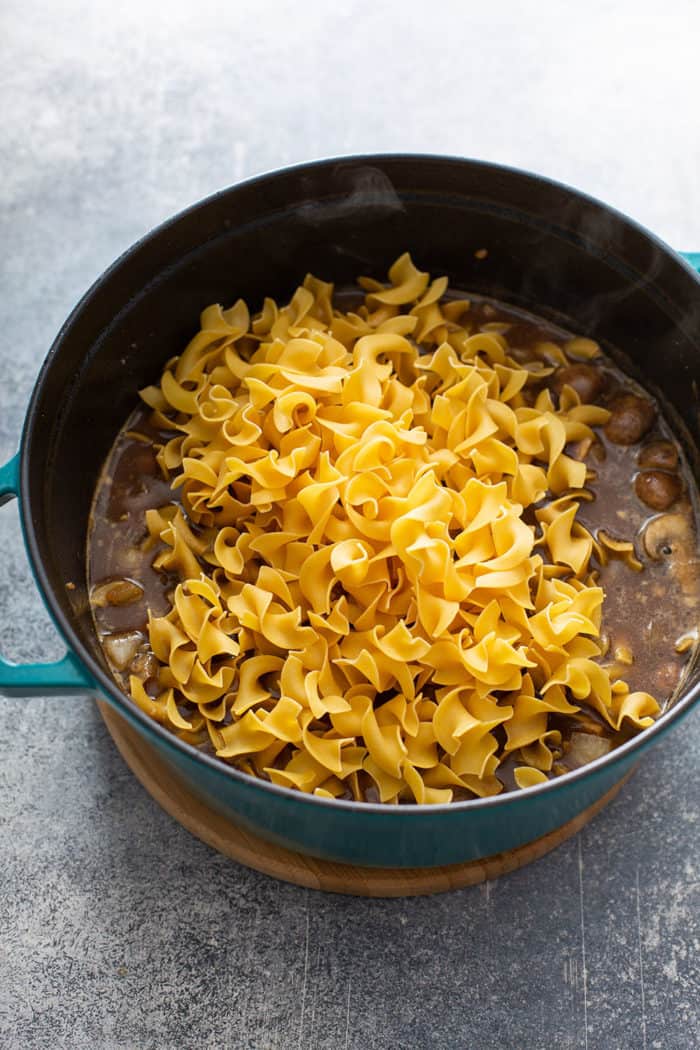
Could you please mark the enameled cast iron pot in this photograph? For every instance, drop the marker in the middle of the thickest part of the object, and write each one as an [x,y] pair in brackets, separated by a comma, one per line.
[551,249]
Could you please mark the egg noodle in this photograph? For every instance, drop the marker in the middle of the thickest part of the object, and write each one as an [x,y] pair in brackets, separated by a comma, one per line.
[381,572]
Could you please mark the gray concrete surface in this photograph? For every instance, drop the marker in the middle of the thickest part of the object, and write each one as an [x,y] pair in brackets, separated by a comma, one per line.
[117,928]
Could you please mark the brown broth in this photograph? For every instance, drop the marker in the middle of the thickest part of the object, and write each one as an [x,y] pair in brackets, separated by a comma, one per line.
[644,611]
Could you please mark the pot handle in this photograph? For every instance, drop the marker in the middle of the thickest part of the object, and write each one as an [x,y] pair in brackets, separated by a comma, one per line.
[693,258]
[64,676]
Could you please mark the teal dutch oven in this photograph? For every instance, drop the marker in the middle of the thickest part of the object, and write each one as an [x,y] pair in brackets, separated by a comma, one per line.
[550,248]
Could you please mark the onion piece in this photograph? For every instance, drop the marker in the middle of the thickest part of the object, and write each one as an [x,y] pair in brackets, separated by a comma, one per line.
[116,592]
[584,748]
[121,648]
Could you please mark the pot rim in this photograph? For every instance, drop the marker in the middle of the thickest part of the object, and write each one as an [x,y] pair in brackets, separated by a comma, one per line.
[109,687]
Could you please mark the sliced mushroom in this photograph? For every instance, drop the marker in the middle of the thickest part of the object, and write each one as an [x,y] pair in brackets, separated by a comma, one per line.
[666,534]
[671,537]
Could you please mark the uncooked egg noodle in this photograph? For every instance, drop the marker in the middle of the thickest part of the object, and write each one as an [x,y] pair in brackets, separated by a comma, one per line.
[358,588]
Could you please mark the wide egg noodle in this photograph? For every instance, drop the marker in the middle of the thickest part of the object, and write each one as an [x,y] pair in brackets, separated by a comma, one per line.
[361,608]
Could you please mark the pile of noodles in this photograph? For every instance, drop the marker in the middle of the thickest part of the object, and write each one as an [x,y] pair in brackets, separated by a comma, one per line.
[383,580]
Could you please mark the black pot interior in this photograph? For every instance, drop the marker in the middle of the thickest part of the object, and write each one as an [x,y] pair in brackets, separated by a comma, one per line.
[559,254]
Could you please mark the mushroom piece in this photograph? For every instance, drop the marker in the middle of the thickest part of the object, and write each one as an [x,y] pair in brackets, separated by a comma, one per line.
[671,537]
[660,454]
[631,418]
[658,489]
[587,380]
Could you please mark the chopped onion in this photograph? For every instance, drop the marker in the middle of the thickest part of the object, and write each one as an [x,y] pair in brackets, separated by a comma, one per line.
[585,747]
[121,648]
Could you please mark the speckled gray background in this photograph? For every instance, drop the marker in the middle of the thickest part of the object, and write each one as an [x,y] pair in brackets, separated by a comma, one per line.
[117,928]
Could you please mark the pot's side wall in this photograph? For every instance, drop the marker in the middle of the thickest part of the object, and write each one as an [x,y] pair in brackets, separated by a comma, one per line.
[394,837]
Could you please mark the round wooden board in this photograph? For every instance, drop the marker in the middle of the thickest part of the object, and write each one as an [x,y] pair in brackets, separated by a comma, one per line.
[176,799]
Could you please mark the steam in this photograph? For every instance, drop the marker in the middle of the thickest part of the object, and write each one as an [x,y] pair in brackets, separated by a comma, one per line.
[370,192]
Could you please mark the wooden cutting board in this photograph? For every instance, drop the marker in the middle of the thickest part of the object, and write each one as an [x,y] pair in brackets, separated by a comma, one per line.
[174,796]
